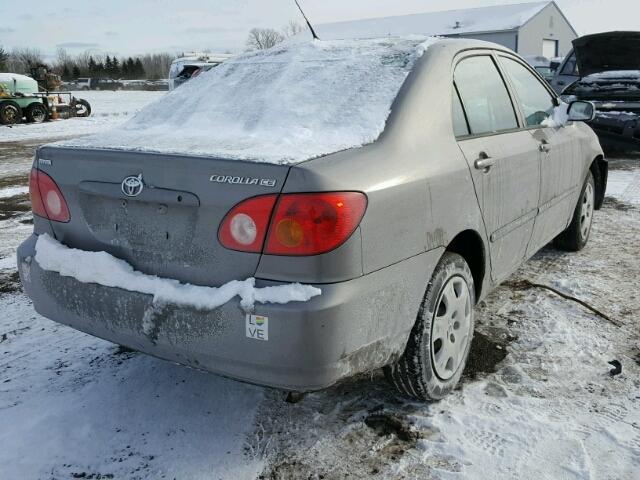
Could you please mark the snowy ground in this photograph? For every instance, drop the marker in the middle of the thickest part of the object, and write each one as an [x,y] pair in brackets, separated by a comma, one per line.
[537,401]
[108,109]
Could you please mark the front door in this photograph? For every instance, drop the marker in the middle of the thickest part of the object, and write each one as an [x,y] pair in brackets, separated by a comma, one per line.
[559,154]
[503,160]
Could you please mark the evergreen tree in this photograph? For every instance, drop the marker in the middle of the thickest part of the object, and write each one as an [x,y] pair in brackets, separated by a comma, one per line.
[131,67]
[91,66]
[66,74]
[115,68]
[75,71]
[4,58]
[108,66]
[139,69]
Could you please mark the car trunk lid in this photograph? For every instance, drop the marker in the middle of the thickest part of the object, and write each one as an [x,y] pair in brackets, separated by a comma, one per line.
[170,227]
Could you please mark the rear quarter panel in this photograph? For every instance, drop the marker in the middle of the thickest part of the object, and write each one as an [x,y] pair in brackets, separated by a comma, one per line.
[419,188]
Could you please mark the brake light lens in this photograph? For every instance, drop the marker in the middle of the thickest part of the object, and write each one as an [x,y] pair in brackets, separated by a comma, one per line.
[244,228]
[314,223]
[47,200]
[293,224]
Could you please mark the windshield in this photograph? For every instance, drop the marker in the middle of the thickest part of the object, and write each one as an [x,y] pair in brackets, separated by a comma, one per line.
[283,105]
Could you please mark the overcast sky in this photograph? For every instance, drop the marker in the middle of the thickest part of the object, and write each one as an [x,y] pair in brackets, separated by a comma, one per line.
[129,27]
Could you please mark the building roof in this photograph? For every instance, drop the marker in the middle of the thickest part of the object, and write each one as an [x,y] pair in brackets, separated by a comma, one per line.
[452,22]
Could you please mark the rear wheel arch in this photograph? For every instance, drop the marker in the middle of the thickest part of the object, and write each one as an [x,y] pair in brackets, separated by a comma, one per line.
[469,245]
[599,168]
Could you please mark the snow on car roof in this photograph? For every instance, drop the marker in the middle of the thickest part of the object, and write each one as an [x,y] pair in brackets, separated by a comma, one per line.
[284,105]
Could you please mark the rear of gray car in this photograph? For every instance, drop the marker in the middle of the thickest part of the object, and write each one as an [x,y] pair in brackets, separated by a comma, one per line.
[485,200]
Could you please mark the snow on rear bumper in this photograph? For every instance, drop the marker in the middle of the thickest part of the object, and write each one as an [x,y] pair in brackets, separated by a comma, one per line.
[352,327]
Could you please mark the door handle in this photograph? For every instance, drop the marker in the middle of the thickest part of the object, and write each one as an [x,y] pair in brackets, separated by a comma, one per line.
[544,146]
[484,162]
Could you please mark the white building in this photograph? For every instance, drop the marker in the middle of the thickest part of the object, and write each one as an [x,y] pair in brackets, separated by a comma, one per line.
[529,29]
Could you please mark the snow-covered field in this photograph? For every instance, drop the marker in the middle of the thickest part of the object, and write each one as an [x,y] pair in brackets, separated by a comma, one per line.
[537,402]
[108,109]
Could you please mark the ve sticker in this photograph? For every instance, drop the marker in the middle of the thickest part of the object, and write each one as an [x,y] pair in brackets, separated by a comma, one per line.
[257,327]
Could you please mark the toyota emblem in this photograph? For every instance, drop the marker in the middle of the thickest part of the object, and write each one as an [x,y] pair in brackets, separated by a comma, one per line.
[132,186]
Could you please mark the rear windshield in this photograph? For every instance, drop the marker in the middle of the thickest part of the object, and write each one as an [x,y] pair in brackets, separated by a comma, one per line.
[283,105]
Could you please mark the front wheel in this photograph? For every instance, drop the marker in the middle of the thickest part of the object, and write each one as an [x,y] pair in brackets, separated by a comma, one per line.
[439,344]
[576,236]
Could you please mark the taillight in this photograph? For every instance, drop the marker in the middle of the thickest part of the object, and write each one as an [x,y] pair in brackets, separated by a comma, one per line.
[302,223]
[245,226]
[314,223]
[46,198]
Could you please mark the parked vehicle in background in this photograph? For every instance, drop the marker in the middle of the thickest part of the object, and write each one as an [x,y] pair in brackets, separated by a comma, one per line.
[566,73]
[21,99]
[369,217]
[98,84]
[192,64]
[609,66]
[542,66]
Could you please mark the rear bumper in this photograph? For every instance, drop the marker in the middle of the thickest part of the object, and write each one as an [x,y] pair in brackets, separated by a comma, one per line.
[352,327]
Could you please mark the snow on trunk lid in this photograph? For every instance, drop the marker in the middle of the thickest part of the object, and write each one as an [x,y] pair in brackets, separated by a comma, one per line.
[284,105]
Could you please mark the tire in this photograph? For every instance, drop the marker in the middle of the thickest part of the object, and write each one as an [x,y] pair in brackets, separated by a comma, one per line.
[576,236]
[10,112]
[37,113]
[427,369]
[82,108]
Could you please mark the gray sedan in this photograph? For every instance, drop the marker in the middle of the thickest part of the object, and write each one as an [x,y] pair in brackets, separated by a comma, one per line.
[300,215]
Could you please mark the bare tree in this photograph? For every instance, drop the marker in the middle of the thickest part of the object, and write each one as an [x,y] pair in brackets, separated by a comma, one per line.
[292,28]
[156,65]
[21,60]
[263,38]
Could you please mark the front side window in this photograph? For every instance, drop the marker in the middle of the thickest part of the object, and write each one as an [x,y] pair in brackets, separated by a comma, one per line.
[535,100]
[484,96]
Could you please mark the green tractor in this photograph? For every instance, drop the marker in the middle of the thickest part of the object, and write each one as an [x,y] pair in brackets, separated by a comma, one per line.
[21,99]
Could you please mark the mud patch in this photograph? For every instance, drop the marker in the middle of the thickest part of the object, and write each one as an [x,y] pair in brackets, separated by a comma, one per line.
[10,282]
[485,356]
[14,206]
[385,425]
[617,204]
[291,470]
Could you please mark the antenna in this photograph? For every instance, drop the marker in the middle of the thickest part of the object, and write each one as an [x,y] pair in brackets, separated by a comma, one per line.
[313,32]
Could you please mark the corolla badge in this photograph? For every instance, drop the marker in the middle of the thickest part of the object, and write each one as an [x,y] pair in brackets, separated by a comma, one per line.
[132,186]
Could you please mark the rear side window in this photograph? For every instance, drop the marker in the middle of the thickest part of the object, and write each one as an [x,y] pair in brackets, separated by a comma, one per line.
[484,96]
[460,127]
[534,99]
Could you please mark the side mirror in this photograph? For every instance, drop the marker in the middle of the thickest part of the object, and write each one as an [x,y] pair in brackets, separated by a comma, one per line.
[580,111]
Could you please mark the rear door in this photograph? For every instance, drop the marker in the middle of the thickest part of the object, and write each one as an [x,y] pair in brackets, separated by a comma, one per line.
[502,157]
[558,149]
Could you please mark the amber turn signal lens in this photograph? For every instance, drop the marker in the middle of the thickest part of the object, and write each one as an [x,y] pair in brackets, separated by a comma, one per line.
[289,233]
